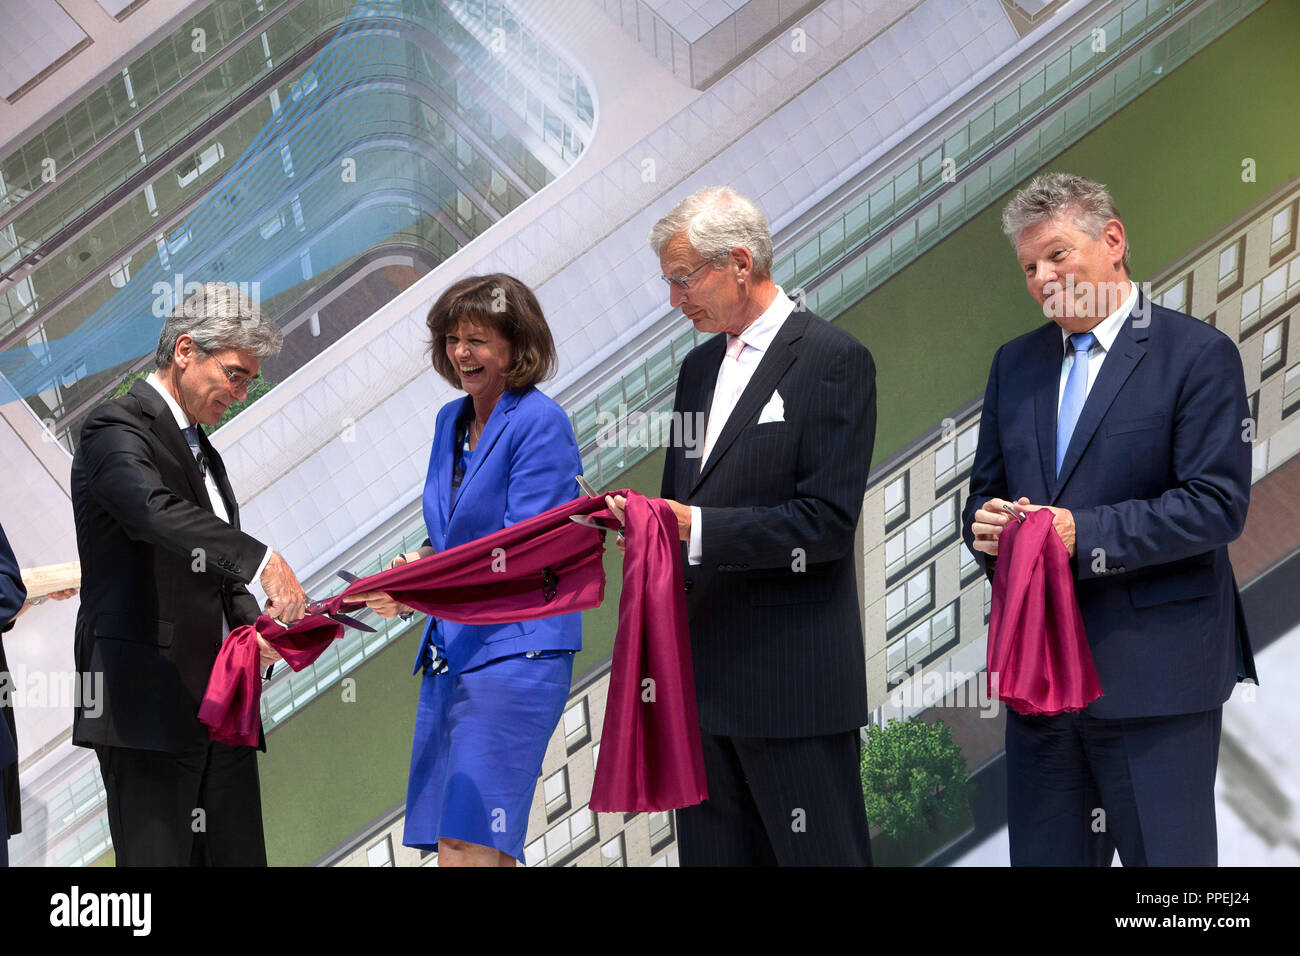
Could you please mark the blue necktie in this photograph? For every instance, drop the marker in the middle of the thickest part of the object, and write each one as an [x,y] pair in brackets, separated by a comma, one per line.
[1076,390]
[192,439]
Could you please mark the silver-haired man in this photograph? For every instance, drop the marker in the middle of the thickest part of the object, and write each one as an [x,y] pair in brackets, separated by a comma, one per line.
[164,567]
[767,511]
[1128,421]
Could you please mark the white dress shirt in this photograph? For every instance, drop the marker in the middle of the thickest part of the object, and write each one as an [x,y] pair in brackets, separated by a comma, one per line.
[1106,330]
[758,339]
[214,493]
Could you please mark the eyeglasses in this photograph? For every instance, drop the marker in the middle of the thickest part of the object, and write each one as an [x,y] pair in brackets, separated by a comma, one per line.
[238,380]
[682,281]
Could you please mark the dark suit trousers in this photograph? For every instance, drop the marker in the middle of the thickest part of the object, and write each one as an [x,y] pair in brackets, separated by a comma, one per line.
[154,799]
[778,801]
[4,832]
[1079,788]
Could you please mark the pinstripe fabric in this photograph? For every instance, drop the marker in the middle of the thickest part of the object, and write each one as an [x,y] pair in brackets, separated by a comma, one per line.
[784,801]
[776,633]
[777,651]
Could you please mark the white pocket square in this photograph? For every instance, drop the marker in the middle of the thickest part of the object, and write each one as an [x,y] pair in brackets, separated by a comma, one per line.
[773,411]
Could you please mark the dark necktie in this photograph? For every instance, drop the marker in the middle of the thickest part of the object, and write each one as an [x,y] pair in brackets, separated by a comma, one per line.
[192,439]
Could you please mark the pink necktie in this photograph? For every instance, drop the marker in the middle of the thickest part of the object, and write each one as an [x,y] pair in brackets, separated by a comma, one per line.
[731,382]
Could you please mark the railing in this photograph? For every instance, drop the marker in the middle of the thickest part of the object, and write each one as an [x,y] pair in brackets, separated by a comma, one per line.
[867,243]
[858,251]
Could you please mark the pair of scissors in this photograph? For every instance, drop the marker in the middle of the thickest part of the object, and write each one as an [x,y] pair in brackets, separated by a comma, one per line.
[319,607]
[353,579]
[590,491]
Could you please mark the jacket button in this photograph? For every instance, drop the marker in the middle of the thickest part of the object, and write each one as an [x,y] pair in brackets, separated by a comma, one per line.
[689,585]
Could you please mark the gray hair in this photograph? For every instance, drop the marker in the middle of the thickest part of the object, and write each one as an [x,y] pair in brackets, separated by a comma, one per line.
[1052,195]
[715,220]
[219,315]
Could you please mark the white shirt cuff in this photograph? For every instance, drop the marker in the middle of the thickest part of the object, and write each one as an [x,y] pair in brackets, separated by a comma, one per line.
[695,552]
[257,575]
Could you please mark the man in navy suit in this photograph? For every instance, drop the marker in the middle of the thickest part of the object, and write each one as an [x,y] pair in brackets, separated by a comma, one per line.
[1130,422]
[13,595]
[767,506]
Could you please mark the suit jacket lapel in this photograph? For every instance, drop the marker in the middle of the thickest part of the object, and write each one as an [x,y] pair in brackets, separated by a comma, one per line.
[702,402]
[218,468]
[443,460]
[498,421]
[1046,384]
[164,426]
[1125,353]
[778,358]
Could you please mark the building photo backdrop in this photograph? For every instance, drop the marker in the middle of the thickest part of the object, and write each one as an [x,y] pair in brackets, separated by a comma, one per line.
[343,163]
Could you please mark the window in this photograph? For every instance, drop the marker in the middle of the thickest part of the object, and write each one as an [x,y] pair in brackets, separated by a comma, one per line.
[381,854]
[1230,267]
[595,755]
[1281,236]
[953,458]
[577,728]
[1262,298]
[1274,350]
[988,598]
[199,163]
[896,501]
[1178,296]
[272,226]
[921,645]
[661,830]
[970,565]
[1291,390]
[921,538]
[555,790]
[913,597]
[613,853]
[563,841]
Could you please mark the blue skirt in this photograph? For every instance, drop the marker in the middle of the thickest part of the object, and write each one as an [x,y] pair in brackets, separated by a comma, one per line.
[480,736]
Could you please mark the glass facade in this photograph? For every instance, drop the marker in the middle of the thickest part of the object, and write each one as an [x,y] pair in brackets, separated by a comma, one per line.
[278,146]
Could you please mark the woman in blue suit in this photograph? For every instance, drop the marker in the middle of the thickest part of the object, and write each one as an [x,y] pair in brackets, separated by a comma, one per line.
[491,695]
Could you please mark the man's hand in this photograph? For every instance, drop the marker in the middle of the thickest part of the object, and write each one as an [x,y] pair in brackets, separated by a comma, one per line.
[989,522]
[52,596]
[1062,521]
[617,505]
[683,513]
[286,600]
[269,654]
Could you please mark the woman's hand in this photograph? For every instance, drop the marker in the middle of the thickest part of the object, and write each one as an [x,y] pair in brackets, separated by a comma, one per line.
[379,601]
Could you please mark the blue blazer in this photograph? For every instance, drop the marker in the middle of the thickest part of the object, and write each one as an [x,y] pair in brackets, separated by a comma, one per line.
[1157,475]
[524,464]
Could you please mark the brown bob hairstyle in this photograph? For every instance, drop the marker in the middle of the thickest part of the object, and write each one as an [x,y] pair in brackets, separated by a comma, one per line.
[500,302]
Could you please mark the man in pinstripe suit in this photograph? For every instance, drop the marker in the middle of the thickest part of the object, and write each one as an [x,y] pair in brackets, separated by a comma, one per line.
[766,511]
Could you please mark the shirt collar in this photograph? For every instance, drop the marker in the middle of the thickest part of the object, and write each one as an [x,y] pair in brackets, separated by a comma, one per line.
[1108,328]
[763,329]
[182,422]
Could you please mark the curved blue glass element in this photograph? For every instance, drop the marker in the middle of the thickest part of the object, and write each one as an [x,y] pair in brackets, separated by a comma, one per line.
[358,152]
